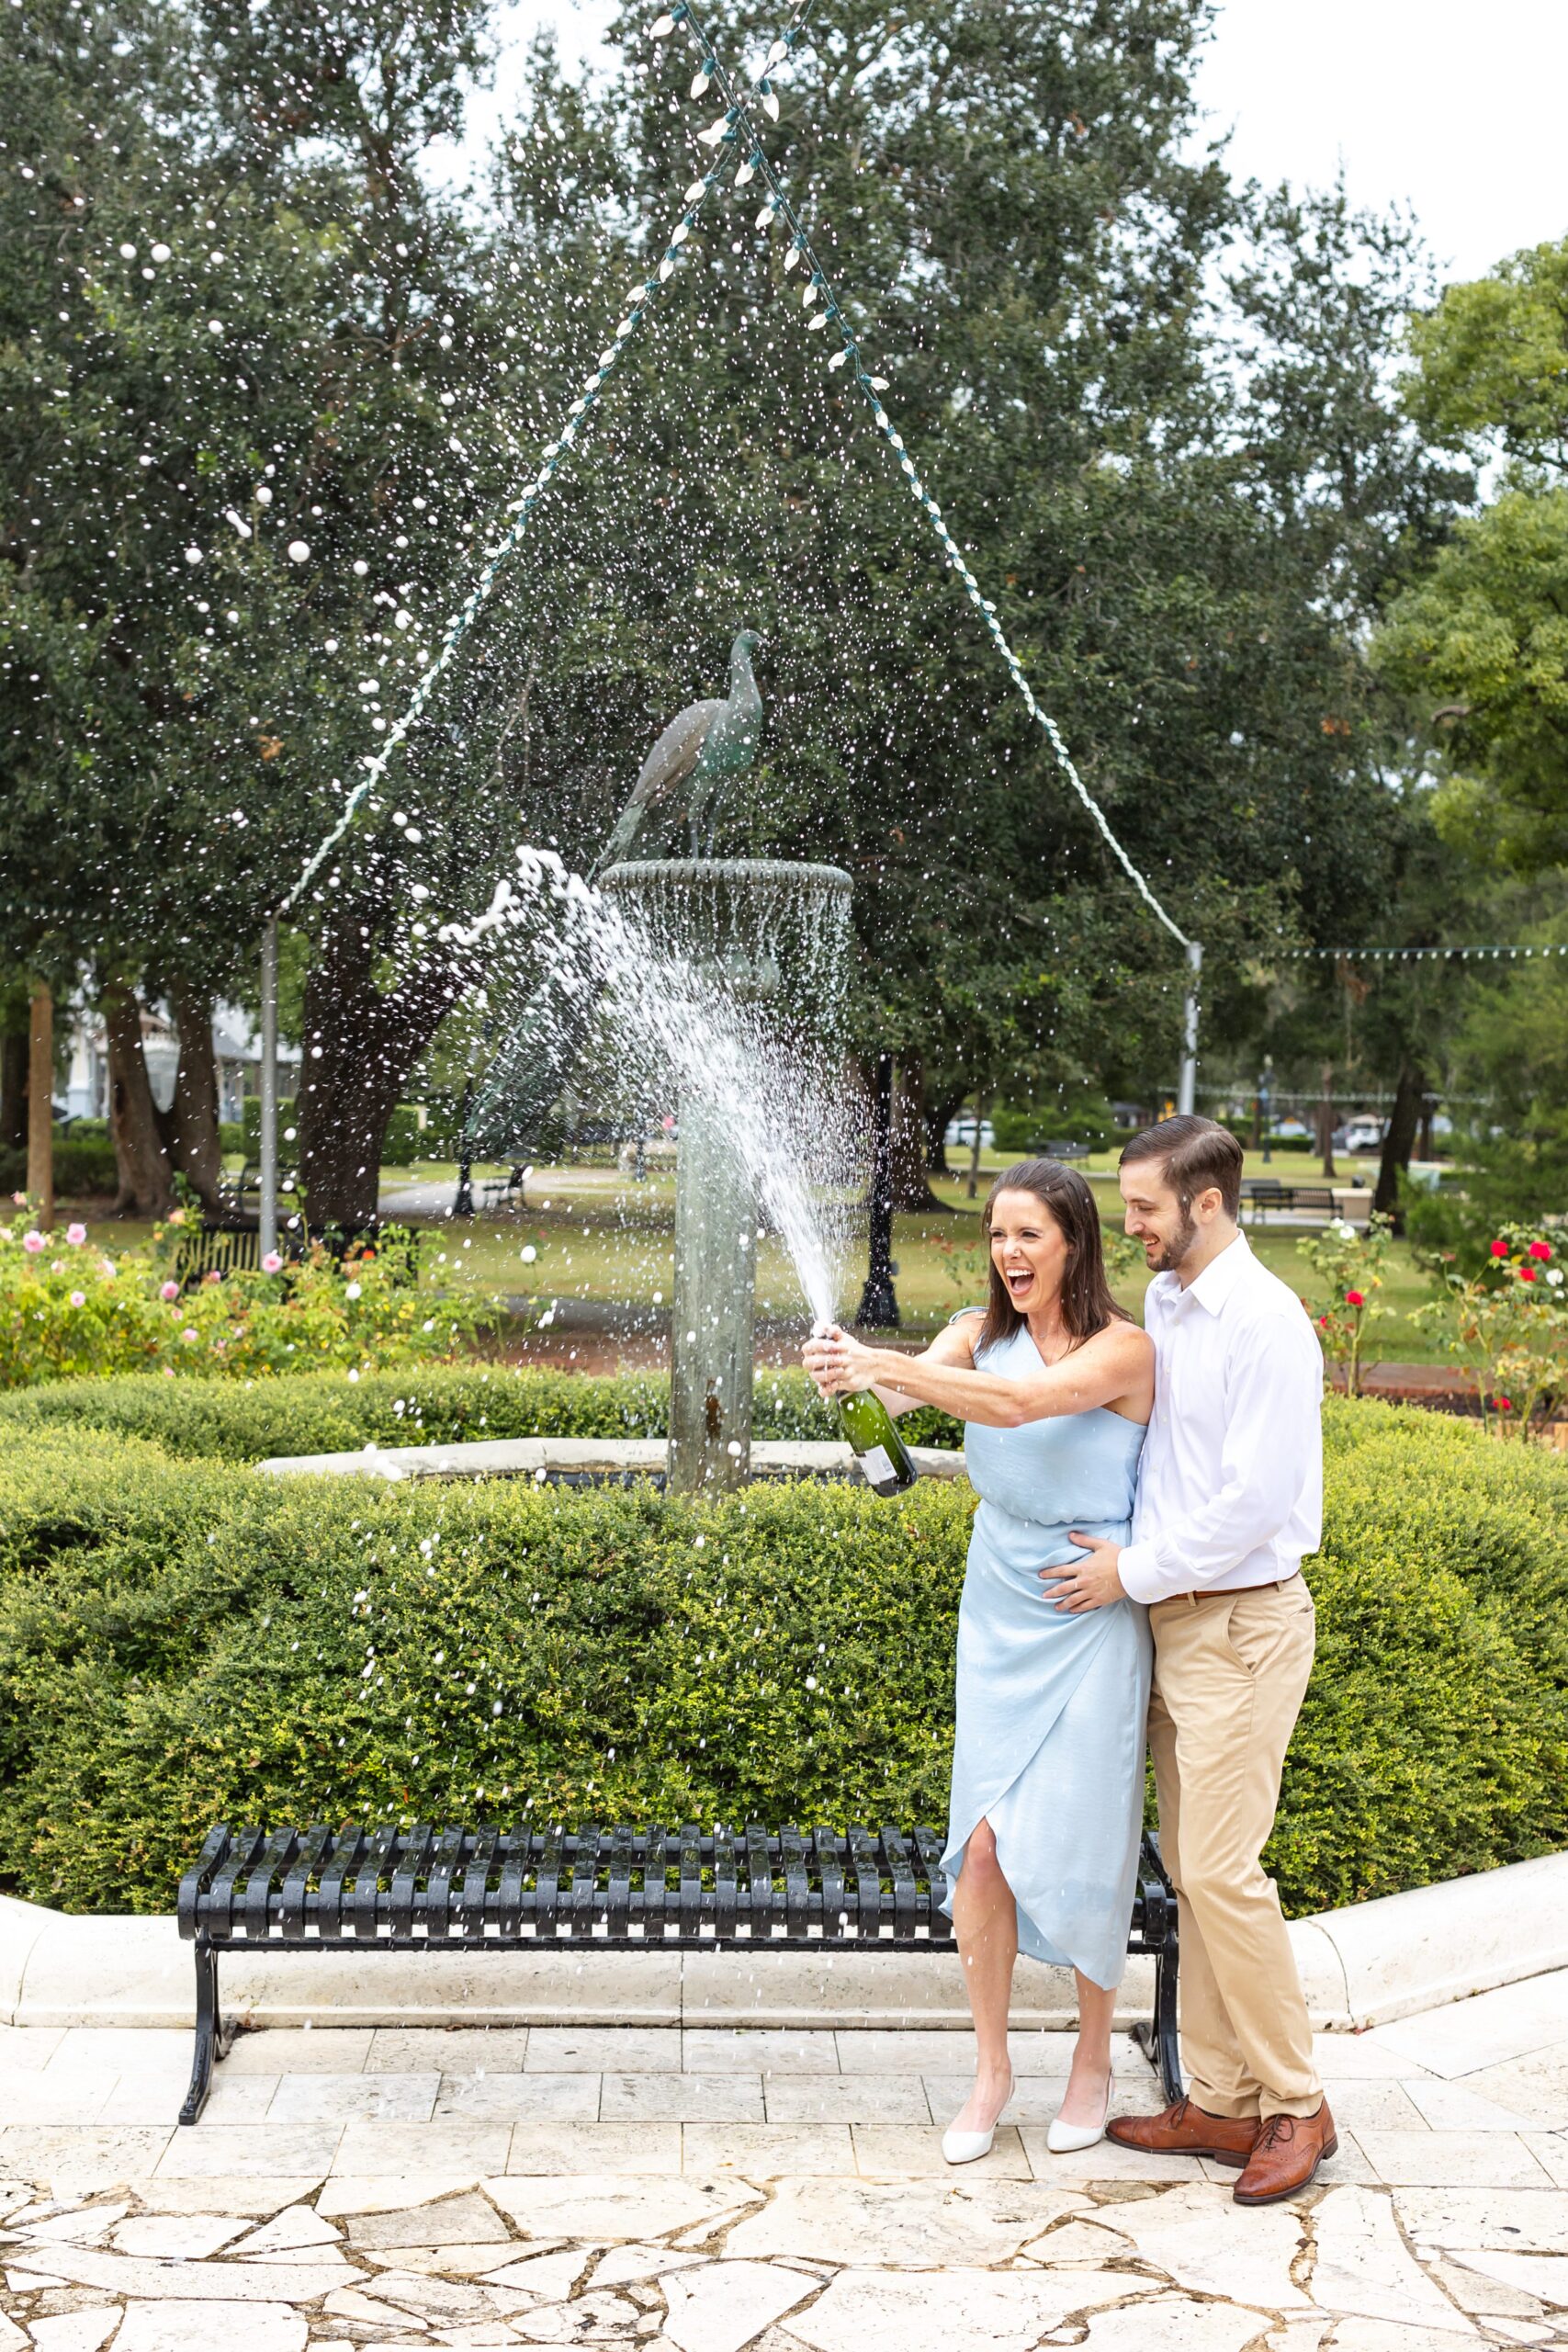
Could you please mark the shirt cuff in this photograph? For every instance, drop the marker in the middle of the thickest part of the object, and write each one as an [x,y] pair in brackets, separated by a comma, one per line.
[1140,1572]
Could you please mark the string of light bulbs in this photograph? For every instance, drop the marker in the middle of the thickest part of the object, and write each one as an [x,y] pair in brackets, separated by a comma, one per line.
[522,507]
[1417,954]
[819,299]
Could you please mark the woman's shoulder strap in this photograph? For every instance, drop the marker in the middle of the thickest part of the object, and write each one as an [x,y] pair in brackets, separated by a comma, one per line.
[963,1311]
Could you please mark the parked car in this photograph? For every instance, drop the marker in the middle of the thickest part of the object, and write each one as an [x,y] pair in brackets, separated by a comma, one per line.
[962,1131]
[1285,1129]
[1365,1134]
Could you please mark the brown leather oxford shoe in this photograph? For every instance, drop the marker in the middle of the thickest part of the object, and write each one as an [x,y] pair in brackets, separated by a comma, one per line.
[1289,2151]
[1184,2130]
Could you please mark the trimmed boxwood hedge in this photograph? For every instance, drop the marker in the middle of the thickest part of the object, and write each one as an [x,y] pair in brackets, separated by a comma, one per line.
[183,1642]
[323,1413]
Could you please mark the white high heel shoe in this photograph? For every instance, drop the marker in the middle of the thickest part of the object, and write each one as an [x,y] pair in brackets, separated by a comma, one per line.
[1064,2139]
[968,2147]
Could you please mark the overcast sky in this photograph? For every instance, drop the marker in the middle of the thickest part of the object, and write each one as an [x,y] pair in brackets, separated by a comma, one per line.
[1454,106]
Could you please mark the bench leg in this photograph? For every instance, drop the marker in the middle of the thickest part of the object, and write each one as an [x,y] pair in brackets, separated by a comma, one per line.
[211,2042]
[1157,2037]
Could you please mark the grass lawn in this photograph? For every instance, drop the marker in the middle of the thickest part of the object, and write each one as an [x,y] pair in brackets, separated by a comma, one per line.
[595,1234]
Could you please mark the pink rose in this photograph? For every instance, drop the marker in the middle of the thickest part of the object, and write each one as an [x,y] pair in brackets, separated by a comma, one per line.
[1355,1298]
[169,1290]
[188,1336]
[272,1262]
[1540,1250]
[1499,1249]
[32,1243]
[108,1268]
[212,1275]
[75,1235]
[78,1299]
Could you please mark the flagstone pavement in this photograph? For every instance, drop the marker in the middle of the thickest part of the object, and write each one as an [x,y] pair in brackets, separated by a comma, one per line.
[711,2190]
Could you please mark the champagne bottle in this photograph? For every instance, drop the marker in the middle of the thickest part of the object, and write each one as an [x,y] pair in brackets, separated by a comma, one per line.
[884,1460]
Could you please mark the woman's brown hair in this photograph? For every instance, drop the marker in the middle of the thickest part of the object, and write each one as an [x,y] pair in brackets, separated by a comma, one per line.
[1087,1304]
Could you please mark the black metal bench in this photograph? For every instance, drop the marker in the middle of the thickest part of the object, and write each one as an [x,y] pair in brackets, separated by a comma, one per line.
[1261,1194]
[510,1890]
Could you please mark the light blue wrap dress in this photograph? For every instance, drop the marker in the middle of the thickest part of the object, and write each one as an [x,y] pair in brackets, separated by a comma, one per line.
[1050,1705]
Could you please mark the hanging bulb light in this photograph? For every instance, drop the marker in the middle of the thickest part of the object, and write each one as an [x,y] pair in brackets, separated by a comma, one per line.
[808,292]
[770,103]
[778,52]
[817,318]
[878,383]
[701,77]
[768,215]
[662,27]
[748,171]
[715,131]
[698,188]
[838,358]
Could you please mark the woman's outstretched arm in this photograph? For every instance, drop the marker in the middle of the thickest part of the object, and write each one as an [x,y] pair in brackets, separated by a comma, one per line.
[955,1345]
[1116,1363]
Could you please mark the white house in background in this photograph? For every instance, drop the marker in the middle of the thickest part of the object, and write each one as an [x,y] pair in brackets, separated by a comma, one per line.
[235,1045]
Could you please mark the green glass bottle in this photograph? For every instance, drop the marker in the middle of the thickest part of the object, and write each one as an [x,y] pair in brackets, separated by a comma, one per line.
[885,1463]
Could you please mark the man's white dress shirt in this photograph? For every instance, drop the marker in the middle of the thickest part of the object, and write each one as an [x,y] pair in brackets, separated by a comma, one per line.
[1230,1485]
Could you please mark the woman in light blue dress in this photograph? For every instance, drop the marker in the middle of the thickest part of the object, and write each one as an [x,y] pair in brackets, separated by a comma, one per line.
[1055,1385]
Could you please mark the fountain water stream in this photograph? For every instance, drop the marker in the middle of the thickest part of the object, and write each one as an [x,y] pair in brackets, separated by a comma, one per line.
[719,976]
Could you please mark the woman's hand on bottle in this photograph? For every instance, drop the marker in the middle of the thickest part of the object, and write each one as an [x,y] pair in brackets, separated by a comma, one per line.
[838,1363]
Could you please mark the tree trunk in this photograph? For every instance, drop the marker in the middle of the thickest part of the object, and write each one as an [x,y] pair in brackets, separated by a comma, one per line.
[189,1127]
[879,1303]
[971,1186]
[41,1105]
[146,1185]
[1400,1141]
[938,1116]
[14,1089]
[360,1044]
[910,1190]
[1326,1120]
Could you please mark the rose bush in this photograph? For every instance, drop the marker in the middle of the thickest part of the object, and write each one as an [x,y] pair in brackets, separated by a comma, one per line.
[68,1308]
[1510,1325]
[1350,1259]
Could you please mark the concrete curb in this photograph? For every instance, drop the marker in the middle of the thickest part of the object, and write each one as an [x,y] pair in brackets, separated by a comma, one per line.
[1361,1966]
[546,1458]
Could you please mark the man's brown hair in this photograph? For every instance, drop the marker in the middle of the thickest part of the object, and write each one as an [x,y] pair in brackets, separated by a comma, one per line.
[1198,1154]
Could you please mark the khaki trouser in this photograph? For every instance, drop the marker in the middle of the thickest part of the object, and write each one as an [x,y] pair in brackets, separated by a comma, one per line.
[1230,1672]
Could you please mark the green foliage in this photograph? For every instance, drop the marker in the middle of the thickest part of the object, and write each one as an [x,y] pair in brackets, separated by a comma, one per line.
[68,1310]
[419,1405]
[287,1110]
[403,1141]
[1481,646]
[183,1642]
[1491,360]
[1066,1114]
[82,1170]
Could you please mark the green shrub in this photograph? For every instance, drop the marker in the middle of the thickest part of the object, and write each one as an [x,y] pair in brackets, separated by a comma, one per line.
[231,1135]
[183,1642]
[423,1405]
[405,1140]
[82,1170]
[250,1120]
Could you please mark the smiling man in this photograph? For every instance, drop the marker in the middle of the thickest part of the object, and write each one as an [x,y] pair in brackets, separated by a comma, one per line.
[1230,1500]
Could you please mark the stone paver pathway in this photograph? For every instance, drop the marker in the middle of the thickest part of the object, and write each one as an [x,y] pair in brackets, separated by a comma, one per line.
[707,2191]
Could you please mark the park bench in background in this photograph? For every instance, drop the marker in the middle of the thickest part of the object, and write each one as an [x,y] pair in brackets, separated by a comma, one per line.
[356,1891]
[1261,1194]
[501,1191]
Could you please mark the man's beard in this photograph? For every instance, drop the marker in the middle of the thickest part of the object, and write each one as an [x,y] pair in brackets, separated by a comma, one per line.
[1174,1254]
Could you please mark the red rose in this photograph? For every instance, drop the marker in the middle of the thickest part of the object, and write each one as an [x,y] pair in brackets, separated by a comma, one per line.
[1355,1298]
[1499,1249]
[1541,1250]
[1502,1403]
[1526,1274]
